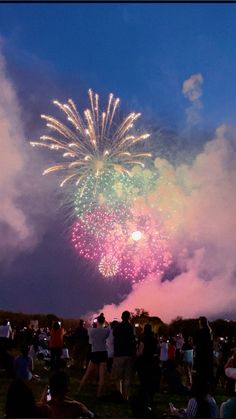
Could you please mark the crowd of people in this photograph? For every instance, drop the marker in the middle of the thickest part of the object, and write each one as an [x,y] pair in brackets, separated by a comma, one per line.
[119,356]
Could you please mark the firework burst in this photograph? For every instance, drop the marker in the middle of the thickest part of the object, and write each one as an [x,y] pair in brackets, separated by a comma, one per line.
[113,190]
[131,249]
[108,266]
[93,143]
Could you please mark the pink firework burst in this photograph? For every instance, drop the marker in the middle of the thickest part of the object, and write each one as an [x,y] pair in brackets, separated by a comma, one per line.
[131,249]
[142,248]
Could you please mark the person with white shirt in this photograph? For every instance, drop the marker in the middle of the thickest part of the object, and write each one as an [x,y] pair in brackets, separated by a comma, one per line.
[98,357]
[164,350]
[5,330]
[5,334]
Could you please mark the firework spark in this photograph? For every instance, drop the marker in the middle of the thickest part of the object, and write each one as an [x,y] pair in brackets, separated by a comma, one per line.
[93,143]
[108,266]
[131,249]
[114,190]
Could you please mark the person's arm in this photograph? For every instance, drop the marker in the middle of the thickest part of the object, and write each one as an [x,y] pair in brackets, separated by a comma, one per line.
[84,411]
[230,362]
[43,398]
[222,410]
[31,365]
[191,408]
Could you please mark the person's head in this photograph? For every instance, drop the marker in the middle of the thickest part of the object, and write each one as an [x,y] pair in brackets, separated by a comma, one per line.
[172,341]
[114,323]
[56,325]
[200,390]
[20,402]
[190,340]
[81,323]
[59,384]
[203,322]
[101,320]
[200,387]
[125,316]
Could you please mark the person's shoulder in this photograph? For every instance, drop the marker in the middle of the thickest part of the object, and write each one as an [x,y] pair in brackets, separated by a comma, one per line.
[211,399]
[43,410]
[230,373]
[73,407]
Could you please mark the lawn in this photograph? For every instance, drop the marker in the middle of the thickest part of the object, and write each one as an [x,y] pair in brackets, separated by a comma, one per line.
[87,395]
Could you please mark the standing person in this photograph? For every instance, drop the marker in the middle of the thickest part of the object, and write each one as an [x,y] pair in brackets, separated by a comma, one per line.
[187,350]
[98,357]
[172,350]
[163,351]
[179,343]
[124,351]
[110,345]
[145,364]
[56,344]
[81,345]
[204,351]
[164,345]
[5,334]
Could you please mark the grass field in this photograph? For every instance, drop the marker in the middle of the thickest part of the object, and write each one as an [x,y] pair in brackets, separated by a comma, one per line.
[87,395]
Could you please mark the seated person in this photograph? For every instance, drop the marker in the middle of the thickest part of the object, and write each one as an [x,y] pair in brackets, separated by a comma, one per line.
[23,364]
[20,402]
[200,405]
[228,408]
[173,379]
[6,361]
[60,404]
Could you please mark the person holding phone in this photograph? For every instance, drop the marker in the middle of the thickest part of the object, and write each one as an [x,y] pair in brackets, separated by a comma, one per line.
[61,405]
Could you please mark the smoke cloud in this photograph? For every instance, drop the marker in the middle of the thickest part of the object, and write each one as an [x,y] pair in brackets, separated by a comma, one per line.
[192,90]
[199,206]
[15,229]
[24,198]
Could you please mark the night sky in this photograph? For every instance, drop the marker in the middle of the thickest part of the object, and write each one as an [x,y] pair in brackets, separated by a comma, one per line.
[174,63]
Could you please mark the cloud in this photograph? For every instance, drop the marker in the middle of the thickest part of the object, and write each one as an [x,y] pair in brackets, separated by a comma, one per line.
[192,90]
[15,228]
[26,199]
[198,204]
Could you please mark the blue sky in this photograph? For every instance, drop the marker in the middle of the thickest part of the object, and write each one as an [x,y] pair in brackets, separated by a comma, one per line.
[143,53]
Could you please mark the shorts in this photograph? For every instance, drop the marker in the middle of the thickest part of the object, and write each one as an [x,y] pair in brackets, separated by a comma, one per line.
[98,357]
[122,368]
